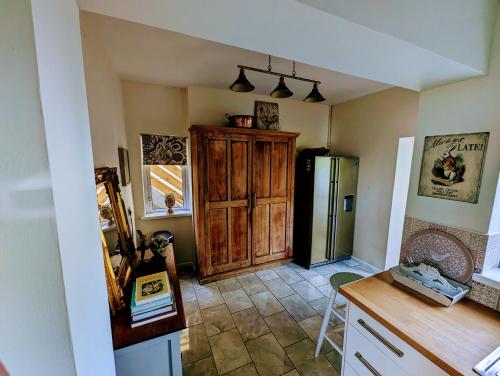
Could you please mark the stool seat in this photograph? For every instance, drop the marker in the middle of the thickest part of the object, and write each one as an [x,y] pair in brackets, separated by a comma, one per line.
[343,278]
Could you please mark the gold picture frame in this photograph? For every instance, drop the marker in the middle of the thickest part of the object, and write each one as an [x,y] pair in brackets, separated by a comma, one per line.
[119,281]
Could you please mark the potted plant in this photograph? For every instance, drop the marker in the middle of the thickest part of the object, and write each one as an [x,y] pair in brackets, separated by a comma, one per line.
[158,246]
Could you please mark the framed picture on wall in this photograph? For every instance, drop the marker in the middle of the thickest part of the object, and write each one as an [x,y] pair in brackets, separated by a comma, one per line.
[452,166]
[267,115]
[124,166]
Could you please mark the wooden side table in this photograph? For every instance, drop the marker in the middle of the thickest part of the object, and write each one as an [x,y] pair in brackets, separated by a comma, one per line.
[151,349]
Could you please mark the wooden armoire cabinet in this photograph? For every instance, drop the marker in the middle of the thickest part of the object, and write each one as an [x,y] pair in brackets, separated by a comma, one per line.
[243,188]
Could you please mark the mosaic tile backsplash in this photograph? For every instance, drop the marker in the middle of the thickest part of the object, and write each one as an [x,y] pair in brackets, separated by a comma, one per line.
[483,248]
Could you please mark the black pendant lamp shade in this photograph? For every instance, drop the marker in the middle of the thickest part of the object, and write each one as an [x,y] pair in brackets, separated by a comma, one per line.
[314,96]
[242,85]
[281,90]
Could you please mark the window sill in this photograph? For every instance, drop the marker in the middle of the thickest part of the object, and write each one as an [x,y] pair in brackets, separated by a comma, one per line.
[163,215]
[490,278]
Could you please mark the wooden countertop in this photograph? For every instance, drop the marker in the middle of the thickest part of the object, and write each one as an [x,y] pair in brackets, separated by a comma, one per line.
[124,335]
[455,338]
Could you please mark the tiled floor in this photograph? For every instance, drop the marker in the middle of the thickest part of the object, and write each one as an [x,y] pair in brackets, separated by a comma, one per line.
[264,324]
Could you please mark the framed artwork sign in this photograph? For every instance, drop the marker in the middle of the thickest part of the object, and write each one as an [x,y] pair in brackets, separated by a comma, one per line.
[267,115]
[452,166]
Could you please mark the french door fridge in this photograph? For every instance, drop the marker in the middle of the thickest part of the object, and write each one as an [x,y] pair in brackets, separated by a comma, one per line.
[326,228]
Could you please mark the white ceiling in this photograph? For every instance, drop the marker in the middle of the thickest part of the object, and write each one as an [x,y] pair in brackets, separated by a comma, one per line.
[416,44]
[142,53]
[458,29]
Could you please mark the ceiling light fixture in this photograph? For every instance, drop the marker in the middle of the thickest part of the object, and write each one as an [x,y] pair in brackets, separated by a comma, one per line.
[281,91]
[242,85]
[314,96]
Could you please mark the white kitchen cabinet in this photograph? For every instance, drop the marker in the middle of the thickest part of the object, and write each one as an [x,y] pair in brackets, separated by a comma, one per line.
[155,357]
[370,349]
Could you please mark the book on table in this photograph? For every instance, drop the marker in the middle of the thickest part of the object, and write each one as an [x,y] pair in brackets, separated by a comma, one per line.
[156,317]
[152,299]
[151,288]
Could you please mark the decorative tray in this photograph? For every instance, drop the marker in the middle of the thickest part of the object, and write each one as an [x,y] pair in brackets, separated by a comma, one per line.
[423,279]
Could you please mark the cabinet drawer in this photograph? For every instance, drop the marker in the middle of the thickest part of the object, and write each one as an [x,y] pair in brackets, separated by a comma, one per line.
[391,345]
[365,358]
[348,370]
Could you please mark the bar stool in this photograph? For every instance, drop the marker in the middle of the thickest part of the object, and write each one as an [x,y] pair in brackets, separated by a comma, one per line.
[336,280]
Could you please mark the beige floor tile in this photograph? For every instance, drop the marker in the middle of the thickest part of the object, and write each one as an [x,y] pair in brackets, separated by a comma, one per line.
[192,312]
[297,267]
[307,291]
[194,344]
[209,296]
[243,276]
[325,289]
[187,291]
[250,324]
[267,274]
[268,356]
[229,351]
[312,327]
[204,367]
[297,307]
[266,303]
[279,288]
[237,300]
[293,372]
[302,356]
[319,305]
[217,319]
[229,284]
[285,329]
[335,359]
[252,284]
[246,370]
[315,278]
[289,275]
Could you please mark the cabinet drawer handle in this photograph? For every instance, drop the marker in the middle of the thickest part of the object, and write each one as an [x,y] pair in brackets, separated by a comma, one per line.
[385,342]
[367,364]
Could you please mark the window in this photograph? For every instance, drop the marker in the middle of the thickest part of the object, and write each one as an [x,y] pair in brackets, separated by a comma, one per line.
[160,180]
[165,171]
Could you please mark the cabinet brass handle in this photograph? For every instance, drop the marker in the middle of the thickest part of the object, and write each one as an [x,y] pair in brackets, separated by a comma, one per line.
[385,342]
[367,364]
[254,200]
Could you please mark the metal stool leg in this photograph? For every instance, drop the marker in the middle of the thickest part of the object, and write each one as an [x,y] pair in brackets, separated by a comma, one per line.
[326,320]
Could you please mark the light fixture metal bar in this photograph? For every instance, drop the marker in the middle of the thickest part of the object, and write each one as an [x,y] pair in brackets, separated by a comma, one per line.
[278,74]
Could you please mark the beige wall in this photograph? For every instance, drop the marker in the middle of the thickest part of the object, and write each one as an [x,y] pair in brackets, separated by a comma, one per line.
[463,107]
[369,128]
[156,109]
[207,106]
[106,113]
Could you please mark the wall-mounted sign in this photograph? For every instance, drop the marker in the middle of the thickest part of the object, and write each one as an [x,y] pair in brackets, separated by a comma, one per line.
[452,166]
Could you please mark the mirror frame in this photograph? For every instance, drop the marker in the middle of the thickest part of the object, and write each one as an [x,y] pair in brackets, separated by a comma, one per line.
[118,282]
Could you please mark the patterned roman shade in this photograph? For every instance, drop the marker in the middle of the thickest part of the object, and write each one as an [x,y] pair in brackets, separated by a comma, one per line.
[163,150]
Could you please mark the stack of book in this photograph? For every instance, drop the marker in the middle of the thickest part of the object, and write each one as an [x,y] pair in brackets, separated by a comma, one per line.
[152,299]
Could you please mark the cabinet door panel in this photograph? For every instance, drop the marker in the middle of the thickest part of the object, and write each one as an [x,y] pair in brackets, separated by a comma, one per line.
[279,173]
[260,231]
[262,168]
[217,227]
[278,228]
[239,234]
[239,170]
[217,170]
[271,222]
[228,185]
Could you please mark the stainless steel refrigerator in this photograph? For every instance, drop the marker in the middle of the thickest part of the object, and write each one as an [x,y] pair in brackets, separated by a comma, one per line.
[324,230]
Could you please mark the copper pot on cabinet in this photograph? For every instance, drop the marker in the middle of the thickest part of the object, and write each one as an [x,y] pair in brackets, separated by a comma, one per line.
[241,121]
